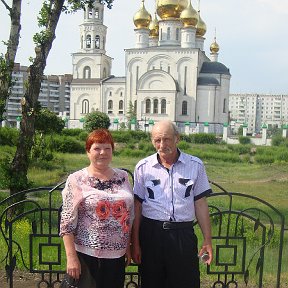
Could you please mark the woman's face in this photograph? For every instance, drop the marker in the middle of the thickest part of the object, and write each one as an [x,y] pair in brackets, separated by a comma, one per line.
[100,154]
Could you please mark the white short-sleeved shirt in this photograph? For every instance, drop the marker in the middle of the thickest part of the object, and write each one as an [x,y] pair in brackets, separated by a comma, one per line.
[169,194]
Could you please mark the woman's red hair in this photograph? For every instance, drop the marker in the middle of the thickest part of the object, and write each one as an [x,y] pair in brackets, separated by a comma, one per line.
[99,136]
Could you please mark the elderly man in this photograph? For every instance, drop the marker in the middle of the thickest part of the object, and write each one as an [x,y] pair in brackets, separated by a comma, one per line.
[170,189]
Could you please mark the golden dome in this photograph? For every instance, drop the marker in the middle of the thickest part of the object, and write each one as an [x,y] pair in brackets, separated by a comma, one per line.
[201,26]
[170,8]
[142,18]
[189,16]
[154,27]
[214,47]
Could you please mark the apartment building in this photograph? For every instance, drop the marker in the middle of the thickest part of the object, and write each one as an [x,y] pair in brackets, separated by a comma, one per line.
[54,94]
[255,110]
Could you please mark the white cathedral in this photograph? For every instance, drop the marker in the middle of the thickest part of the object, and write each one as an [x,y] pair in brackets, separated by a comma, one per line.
[167,73]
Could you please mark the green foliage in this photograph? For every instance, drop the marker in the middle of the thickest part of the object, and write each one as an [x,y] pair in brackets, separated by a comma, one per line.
[8,136]
[47,122]
[183,145]
[96,120]
[65,144]
[244,140]
[72,132]
[204,138]
[130,136]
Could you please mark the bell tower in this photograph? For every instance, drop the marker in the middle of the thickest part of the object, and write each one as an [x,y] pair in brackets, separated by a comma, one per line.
[91,62]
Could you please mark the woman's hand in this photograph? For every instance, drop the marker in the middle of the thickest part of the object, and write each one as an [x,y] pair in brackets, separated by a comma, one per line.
[73,266]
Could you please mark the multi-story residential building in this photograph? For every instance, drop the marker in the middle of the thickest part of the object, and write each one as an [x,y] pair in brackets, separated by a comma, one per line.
[255,110]
[54,94]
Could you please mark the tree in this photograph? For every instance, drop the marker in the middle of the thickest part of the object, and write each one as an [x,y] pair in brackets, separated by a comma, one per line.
[47,122]
[96,120]
[48,20]
[131,114]
[7,60]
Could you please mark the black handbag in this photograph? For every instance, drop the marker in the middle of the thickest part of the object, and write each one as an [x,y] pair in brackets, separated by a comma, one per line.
[69,282]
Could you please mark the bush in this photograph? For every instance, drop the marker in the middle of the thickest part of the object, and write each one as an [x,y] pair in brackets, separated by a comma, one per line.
[8,136]
[65,144]
[72,132]
[244,140]
[204,138]
[264,159]
[96,120]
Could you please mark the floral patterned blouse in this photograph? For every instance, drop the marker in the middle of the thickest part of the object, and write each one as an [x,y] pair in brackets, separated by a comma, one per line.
[98,213]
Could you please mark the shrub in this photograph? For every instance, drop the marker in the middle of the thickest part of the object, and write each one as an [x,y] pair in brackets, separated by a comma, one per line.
[264,159]
[183,145]
[244,140]
[65,144]
[96,120]
[72,132]
[8,136]
[204,138]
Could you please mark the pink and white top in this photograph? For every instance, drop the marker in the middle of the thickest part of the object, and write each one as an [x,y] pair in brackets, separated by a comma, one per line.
[98,213]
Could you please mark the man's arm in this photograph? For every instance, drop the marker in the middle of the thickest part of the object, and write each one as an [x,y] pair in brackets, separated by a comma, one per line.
[202,215]
[136,250]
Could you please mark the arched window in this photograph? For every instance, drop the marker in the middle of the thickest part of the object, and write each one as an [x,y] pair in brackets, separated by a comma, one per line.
[121,105]
[86,72]
[163,106]
[97,13]
[177,34]
[88,41]
[135,106]
[224,105]
[81,42]
[97,42]
[168,33]
[155,106]
[110,104]
[85,106]
[184,108]
[90,13]
[148,106]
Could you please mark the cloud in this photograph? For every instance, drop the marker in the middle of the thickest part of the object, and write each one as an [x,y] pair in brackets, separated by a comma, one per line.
[278,6]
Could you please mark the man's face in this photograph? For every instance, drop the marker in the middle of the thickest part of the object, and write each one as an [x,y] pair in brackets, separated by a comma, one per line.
[165,141]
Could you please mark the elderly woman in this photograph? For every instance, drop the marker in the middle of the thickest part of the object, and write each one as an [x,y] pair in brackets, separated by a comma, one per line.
[96,218]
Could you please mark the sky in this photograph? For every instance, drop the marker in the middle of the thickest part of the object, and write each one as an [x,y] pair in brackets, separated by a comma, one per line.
[252,35]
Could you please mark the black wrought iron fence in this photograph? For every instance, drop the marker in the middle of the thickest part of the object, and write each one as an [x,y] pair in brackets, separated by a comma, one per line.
[248,240]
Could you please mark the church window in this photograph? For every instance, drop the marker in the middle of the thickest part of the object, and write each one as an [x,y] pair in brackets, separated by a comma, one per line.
[88,41]
[90,13]
[185,80]
[121,94]
[110,93]
[135,106]
[121,105]
[168,70]
[86,72]
[148,106]
[81,42]
[163,106]
[155,106]
[224,105]
[161,34]
[184,108]
[85,106]
[104,73]
[97,13]
[97,42]
[177,34]
[168,33]
[110,104]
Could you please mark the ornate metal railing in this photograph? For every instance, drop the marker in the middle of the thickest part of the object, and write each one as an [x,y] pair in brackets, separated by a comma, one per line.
[248,239]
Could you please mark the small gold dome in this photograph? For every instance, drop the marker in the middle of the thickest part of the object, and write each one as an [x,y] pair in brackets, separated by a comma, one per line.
[170,8]
[189,16]
[142,18]
[214,47]
[154,27]
[201,26]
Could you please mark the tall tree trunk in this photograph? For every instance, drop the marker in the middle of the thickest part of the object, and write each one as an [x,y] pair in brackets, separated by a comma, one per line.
[7,62]
[20,163]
